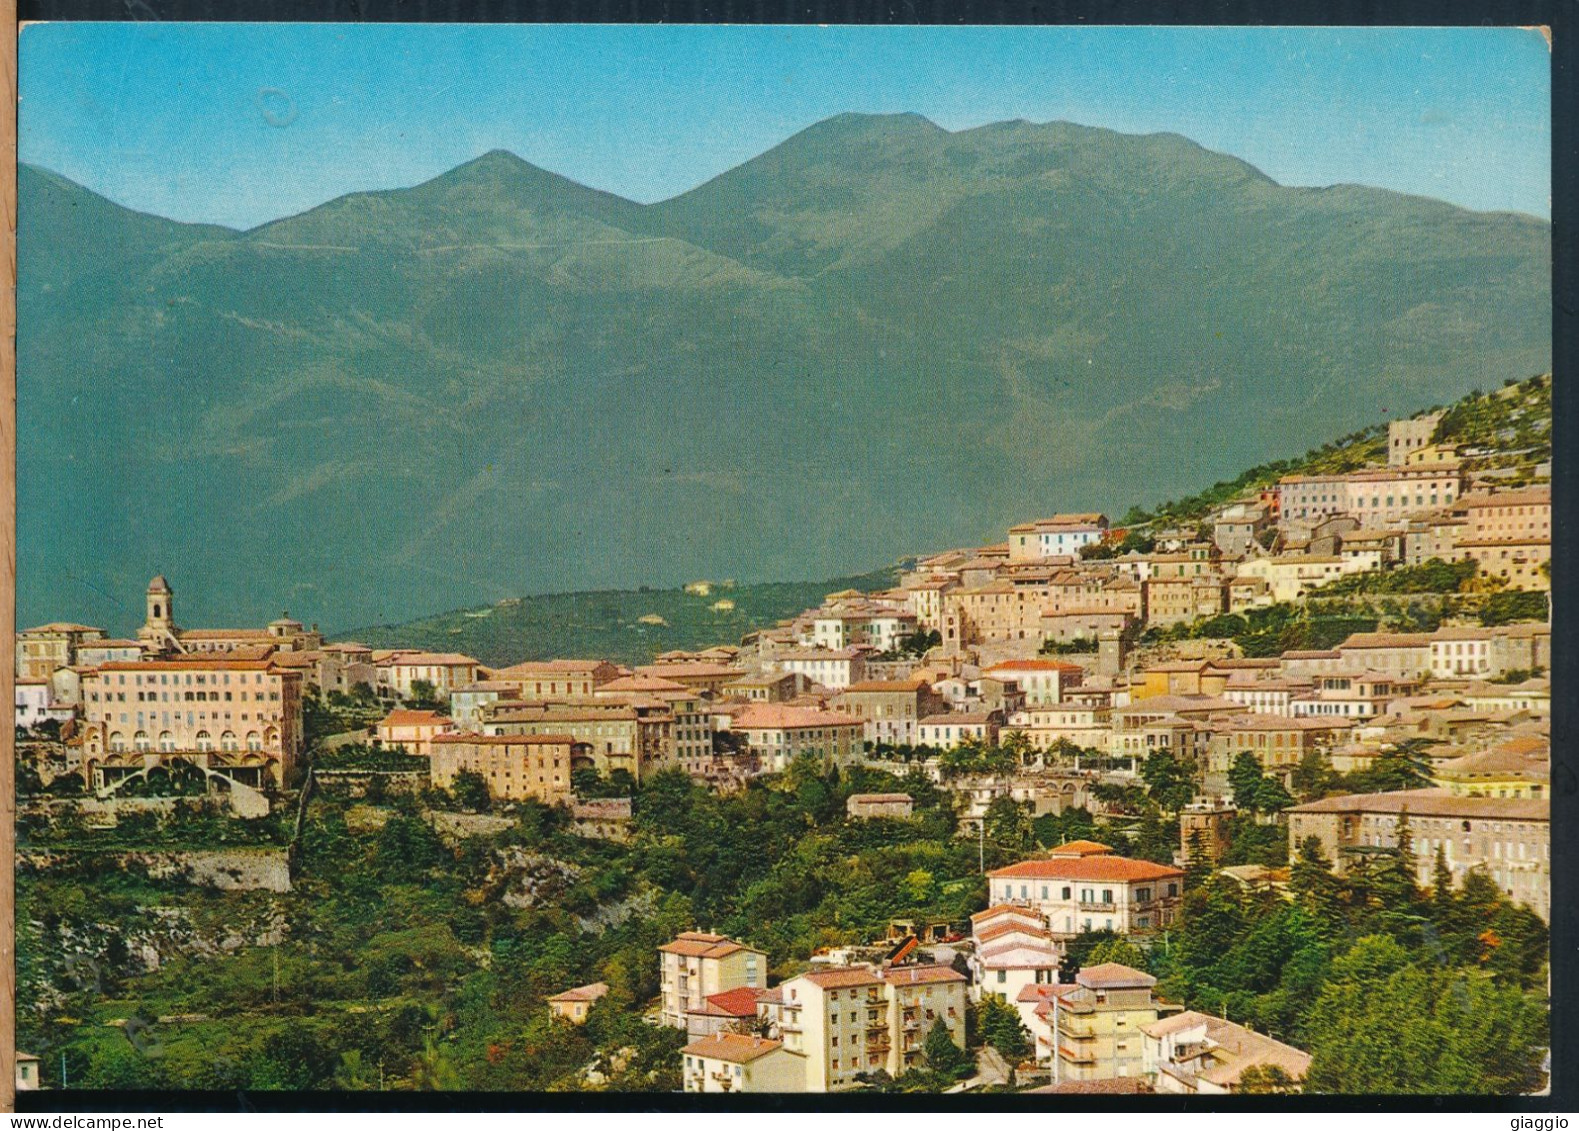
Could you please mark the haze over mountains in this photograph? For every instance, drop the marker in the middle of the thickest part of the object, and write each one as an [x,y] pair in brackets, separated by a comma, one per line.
[875,339]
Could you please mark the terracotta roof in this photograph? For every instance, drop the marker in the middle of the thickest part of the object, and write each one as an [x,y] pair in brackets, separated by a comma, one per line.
[999,930]
[879,798]
[1114,1086]
[1432,803]
[1080,848]
[844,977]
[1043,991]
[781,716]
[699,944]
[556,667]
[1116,868]
[732,1047]
[1114,975]
[430,659]
[61,626]
[404,718]
[505,739]
[648,683]
[583,993]
[1036,666]
[1532,496]
[1387,640]
[920,975]
[1001,909]
[738,1002]
[192,663]
[673,671]
[895,685]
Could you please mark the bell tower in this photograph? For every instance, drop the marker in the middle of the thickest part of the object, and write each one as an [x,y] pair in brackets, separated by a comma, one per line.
[158,633]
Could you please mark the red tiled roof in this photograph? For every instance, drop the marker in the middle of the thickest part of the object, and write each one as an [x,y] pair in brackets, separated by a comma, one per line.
[1116,868]
[1080,848]
[776,716]
[733,1047]
[583,993]
[738,1002]
[698,944]
[406,718]
[1114,975]
[506,739]
[1037,666]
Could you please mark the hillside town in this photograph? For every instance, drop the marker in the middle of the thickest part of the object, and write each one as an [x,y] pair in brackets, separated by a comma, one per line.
[1385,625]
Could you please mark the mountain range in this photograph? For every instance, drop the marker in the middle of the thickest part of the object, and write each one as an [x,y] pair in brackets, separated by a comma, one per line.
[877,338]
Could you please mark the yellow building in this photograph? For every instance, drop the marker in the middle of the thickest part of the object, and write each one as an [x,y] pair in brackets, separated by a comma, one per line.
[517,767]
[732,1062]
[574,1005]
[1099,1025]
[851,1020]
[1520,767]
[40,651]
[619,735]
[697,965]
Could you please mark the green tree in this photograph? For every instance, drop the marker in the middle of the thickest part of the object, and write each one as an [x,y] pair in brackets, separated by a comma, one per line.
[1245,778]
[1167,781]
[424,696]
[1384,1025]
[1000,1026]
[1117,949]
[471,791]
[943,1055]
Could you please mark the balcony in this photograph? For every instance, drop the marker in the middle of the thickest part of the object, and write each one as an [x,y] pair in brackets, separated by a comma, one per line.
[1076,1030]
[1093,905]
[1077,1057]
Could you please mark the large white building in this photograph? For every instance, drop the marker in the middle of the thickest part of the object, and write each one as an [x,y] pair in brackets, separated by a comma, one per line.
[1082,886]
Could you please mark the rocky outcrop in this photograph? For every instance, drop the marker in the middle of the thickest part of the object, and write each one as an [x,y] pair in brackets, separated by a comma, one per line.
[235,869]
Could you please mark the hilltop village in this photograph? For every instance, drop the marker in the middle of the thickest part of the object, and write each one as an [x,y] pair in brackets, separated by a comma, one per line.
[1331,682]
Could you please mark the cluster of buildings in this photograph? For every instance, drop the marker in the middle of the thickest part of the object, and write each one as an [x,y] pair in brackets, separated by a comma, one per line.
[1063,578]
[850,1015]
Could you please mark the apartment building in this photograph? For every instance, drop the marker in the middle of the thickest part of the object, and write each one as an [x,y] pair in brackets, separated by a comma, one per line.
[400,671]
[777,734]
[732,1062]
[617,735]
[1082,886]
[889,710]
[1278,741]
[949,729]
[835,668]
[516,767]
[555,681]
[242,718]
[1042,682]
[1100,1026]
[1063,534]
[413,731]
[697,965]
[1044,727]
[1374,495]
[847,1021]
[1510,838]
[40,650]
[1195,1054]
[1012,949]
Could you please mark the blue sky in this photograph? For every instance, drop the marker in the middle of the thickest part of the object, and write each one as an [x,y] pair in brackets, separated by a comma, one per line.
[239,124]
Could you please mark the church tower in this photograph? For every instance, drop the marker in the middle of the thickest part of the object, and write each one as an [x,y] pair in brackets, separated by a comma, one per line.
[158,633]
